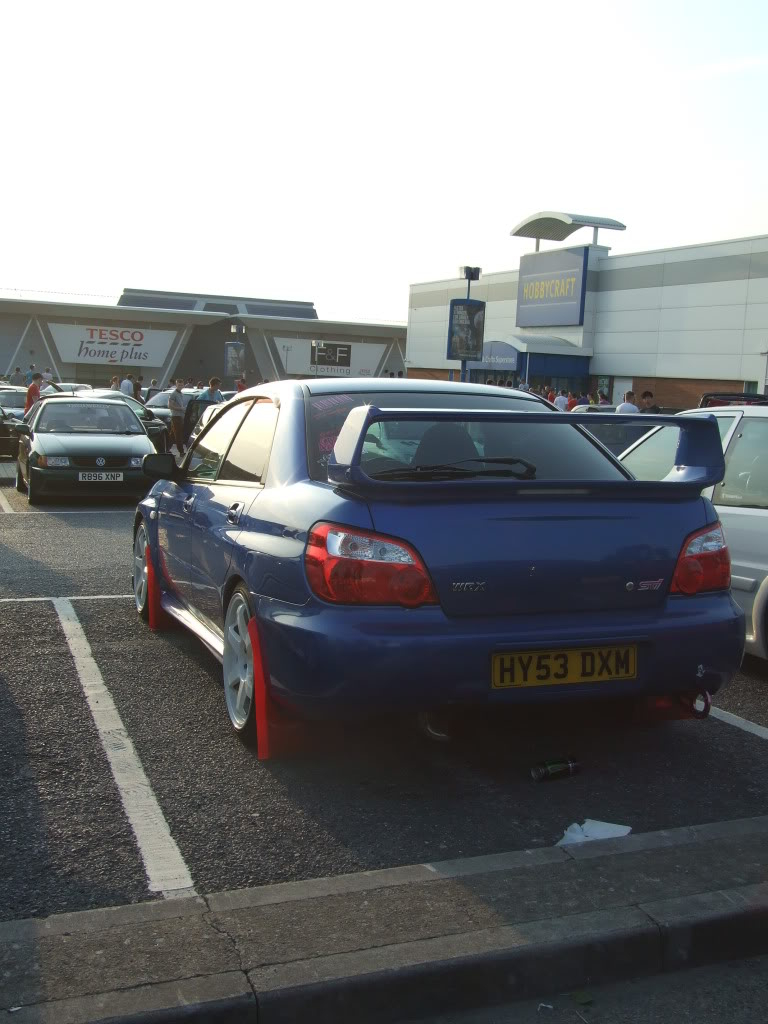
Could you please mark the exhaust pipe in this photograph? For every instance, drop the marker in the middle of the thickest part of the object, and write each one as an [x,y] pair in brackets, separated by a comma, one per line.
[701,704]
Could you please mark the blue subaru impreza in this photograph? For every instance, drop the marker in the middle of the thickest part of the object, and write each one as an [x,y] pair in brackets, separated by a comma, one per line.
[354,546]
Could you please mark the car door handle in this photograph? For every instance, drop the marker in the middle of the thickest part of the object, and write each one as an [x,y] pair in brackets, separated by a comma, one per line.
[233,513]
[189,502]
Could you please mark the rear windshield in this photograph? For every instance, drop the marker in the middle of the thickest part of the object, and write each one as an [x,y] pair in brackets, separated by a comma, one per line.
[536,451]
[83,417]
[13,399]
[159,401]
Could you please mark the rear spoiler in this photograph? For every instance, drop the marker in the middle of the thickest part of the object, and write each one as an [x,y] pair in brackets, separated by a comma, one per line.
[699,461]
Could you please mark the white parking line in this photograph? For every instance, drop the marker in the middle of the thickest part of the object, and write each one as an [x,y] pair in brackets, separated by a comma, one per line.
[69,511]
[740,723]
[4,504]
[75,597]
[166,870]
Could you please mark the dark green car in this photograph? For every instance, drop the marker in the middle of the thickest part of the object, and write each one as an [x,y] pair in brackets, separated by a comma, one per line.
[82,446]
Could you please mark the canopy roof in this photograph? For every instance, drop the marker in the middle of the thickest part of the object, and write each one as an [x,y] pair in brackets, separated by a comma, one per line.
[556,227]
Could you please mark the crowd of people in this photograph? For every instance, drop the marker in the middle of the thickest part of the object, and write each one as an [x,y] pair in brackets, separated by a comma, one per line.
[567,401]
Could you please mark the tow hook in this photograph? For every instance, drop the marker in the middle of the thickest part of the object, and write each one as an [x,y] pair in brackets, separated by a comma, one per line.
[701,704]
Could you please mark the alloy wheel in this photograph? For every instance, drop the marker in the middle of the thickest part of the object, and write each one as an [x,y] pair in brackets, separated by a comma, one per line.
[238,662]
[140,582]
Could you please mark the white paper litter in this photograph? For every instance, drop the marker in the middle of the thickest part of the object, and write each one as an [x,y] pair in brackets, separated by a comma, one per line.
[592,829]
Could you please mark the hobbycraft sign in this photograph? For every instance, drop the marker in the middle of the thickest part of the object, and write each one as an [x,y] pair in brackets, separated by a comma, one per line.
[551,288]
[115,345]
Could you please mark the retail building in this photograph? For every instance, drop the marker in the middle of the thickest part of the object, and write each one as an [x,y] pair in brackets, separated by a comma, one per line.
[675,321]
[164,335]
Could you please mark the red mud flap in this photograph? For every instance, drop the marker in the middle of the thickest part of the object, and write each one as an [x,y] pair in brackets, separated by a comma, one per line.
[277,733]
[158,618]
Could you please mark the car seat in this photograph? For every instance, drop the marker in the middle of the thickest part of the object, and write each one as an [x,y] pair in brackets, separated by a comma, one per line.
[444,442]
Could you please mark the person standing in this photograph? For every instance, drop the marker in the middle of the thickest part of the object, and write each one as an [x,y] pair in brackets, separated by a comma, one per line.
[153,388]
[29,374]
[240,383]
[628,405]
[176,405]
[33,391]
[551,396]
[138,384]
[47,375]
[561,401]
[602,399]
[211,393]
[126,385]
[17,378]
[115,384]
[648,404]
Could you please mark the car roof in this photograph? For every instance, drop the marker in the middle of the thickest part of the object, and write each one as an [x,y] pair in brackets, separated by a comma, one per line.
[11,387]
[748,410]
[353,385]
[77,400]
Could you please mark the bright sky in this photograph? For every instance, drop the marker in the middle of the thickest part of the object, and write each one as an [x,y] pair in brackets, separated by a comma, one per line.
[338,151]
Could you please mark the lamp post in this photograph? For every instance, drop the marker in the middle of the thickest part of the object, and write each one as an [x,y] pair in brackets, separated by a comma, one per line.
[286,350]
[470,274]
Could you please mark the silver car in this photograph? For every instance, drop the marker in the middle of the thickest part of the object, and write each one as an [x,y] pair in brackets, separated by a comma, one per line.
[741,501]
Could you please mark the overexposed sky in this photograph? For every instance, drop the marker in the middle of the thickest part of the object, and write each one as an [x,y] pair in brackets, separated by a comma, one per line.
[338,151]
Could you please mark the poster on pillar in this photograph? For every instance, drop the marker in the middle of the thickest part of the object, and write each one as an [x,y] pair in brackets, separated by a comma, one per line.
[307,357]
[117,345]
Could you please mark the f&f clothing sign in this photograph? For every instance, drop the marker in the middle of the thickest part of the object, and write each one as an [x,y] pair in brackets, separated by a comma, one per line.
[551,288]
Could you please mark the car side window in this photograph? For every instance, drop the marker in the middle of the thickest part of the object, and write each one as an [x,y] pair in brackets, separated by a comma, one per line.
[207,453]
[655,457]
[247,458]
[746,467]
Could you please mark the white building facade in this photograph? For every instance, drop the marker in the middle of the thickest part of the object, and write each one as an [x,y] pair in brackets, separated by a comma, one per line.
[674,321]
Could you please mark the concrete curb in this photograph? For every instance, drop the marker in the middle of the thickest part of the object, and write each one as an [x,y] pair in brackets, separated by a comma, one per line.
[470,971]
[416,978]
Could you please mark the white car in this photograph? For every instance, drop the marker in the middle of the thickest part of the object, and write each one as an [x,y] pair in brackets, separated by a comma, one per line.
[741,501]
[56,387]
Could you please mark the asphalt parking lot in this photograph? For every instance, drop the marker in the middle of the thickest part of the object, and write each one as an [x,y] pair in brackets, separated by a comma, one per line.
[377,795]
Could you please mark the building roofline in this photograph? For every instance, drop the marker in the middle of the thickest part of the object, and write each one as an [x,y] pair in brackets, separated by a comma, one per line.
[205,296]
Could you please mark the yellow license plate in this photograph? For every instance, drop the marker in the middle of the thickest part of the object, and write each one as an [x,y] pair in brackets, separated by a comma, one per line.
[573,665]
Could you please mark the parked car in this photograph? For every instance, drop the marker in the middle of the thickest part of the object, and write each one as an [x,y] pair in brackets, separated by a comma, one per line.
[153,424]
[55,387]
[741,500]
[12,402]
[159,406]
[710,399]
[345,547]
[78,446]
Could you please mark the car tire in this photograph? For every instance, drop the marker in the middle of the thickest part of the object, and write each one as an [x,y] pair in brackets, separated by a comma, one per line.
[33,494]
[237,667]
[139,579]
[21,487]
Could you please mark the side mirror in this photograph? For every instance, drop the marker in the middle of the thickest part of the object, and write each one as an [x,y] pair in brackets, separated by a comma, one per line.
[160,466]
[22,428]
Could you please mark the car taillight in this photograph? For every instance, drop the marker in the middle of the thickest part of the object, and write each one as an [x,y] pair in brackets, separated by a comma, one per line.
[704,563]
[350,566]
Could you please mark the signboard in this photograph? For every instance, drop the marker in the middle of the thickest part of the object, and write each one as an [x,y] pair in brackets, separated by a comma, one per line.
[308,357]
[466,327]
[551,288]
[234,358]
[115,345]
[331,353]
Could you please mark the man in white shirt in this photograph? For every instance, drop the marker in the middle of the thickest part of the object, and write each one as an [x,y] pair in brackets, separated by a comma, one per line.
[561,401]
[126,385]
[628,405]
[47,375]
